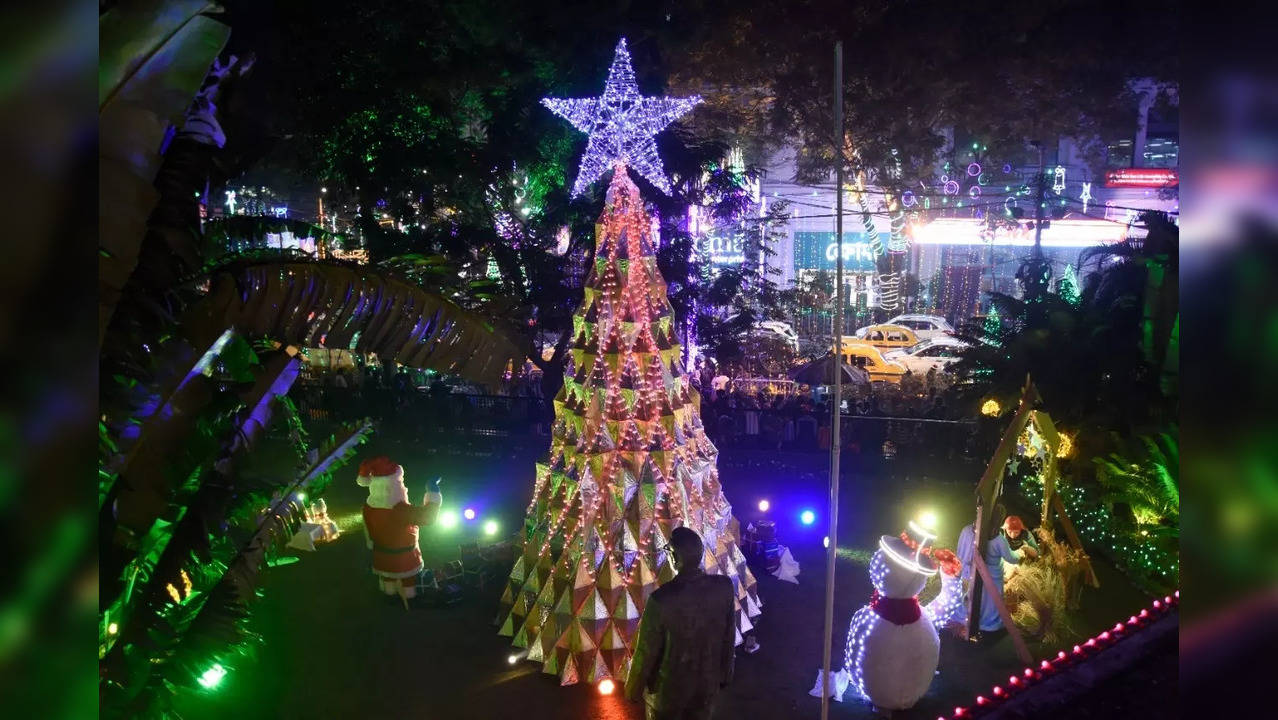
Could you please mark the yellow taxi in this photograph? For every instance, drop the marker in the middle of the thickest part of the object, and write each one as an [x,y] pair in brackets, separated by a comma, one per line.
[887,337]
[859,353]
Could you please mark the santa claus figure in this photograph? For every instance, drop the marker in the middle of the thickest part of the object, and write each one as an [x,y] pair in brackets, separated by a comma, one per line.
[391,525]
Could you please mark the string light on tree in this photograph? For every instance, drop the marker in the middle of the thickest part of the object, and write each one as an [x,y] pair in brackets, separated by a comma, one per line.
[993,325]
[1067,287]
[621,124]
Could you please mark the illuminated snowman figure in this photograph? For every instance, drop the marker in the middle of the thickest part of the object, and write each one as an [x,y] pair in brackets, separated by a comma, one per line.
[893,647]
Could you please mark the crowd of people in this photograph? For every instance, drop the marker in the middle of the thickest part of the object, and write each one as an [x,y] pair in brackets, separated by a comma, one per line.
[908,423]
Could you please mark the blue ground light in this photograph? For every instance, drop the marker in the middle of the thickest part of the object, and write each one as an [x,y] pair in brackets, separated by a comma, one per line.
[807,517]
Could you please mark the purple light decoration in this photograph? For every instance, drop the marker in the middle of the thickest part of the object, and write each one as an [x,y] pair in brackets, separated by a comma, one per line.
[951,187]
[908,199]
[469,513]
[621,124]
[974,169]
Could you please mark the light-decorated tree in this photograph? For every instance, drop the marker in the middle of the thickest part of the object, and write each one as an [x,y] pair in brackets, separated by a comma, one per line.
[1067,288]
[629,458]
[993,323]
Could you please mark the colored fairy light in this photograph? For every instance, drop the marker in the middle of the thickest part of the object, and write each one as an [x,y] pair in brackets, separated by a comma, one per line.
[764,505]
[621,124]
[807,517]
[212,677]
[469,513]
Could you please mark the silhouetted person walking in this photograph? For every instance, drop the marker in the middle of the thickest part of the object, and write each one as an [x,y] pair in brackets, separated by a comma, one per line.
[687,639]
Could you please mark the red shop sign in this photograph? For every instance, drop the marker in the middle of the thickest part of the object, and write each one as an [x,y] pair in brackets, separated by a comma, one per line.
[1142,177]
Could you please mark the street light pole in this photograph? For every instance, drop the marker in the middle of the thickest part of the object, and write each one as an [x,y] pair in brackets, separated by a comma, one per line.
[832,547]
[1038,204]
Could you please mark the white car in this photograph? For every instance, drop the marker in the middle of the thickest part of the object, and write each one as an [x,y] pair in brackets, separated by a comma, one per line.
[937,353]
[924,326]
[780,330]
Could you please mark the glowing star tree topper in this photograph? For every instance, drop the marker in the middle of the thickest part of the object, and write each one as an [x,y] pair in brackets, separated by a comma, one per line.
[621,124]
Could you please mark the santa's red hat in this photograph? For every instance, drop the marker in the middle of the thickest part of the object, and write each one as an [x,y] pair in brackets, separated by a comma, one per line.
[384,480]
[380,466]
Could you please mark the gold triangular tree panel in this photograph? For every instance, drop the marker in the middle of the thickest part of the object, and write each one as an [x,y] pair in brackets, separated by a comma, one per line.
[626,466]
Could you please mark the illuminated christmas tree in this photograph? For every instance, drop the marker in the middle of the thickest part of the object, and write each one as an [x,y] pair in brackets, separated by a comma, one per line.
[629,459]
[1067,288]
[629,462]
[993,323]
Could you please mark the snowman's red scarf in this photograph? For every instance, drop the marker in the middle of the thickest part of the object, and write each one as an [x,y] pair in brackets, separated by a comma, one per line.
[898,611]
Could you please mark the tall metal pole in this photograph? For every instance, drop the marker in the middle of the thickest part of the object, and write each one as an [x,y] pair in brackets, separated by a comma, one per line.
[832,549]
[1038,203]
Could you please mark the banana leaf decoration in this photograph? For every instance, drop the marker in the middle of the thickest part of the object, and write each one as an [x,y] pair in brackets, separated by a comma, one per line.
[368,310]
[153,58]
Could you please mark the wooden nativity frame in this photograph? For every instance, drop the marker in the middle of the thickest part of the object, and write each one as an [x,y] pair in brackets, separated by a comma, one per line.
[988,492]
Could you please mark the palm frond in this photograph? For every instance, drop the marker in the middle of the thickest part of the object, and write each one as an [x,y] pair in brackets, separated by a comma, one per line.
[154,56]
[366,309]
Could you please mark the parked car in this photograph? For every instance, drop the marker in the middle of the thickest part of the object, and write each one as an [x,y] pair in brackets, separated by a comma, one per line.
[924,326]
[888,337]
[862,355]
[937,353]
[779,330]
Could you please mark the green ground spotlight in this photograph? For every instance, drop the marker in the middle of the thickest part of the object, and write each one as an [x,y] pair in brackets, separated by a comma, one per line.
[448,519]
[490,527]
[213,676]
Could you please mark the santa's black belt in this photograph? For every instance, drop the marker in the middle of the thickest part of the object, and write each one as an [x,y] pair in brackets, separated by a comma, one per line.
[394,551]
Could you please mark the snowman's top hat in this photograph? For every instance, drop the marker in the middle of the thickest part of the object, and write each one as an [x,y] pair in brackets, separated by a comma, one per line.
[911,549]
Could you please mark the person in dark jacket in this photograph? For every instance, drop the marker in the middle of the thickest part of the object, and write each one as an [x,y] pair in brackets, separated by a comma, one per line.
[687,637]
